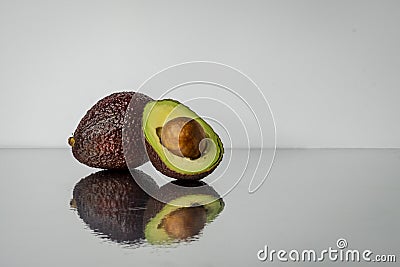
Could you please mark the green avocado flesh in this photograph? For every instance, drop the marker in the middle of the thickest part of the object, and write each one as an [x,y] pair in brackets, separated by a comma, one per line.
[156,114]
[156,234]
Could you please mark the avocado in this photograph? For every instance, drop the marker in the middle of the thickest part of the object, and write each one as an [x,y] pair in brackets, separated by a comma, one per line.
[185,213]
[112,204]
[179,143]
[98,139]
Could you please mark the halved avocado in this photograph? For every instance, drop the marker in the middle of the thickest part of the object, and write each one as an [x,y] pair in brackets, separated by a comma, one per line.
[112,204]
[183,216]
[179,143]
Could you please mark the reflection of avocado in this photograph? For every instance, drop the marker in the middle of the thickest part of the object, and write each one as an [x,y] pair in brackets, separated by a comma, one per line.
[112,204]
[179,143]
[97,141]
[184,215]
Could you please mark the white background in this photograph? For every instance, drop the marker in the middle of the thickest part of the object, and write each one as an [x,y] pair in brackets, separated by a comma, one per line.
[330,69]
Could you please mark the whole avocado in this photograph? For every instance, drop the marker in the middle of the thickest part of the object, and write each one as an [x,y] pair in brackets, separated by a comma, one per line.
[98,140]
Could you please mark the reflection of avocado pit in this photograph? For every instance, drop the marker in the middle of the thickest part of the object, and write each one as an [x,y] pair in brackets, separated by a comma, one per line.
[182,136]
[188,207]
[166,223]
[185,222]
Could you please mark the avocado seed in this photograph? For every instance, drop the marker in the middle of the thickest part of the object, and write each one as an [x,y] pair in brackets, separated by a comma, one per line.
[182,136]
[184,222]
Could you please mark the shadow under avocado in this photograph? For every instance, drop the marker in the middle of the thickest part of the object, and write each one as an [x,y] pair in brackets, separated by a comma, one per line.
[114,207]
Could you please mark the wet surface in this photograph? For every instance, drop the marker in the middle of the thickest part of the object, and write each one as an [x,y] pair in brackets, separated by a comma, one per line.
[53,215]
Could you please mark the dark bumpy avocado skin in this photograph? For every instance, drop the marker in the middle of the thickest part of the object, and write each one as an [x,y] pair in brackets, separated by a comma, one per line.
[98,137]
[161,167]
[112,204]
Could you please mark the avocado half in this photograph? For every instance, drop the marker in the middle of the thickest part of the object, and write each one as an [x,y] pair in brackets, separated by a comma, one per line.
[158,114]
[184,215]
[112,204]
[98,139]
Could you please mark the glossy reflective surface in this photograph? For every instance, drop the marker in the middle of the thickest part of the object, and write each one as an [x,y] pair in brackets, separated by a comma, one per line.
[116,208]
[310,200]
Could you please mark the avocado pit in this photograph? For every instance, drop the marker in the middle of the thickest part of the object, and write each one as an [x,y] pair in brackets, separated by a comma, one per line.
[183,137]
